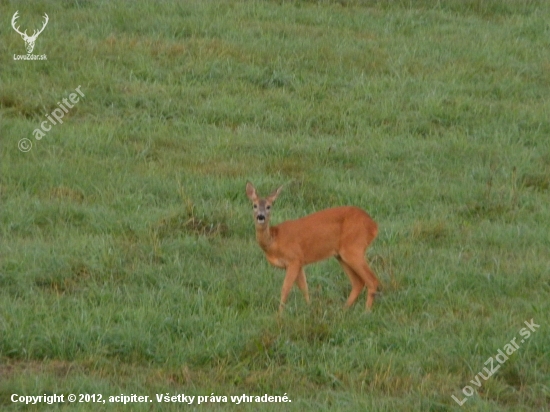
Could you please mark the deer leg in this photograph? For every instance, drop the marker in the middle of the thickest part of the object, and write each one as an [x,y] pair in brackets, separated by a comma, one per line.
[357,283]
[292,273]
[302,284]
[372,286]
[358,264]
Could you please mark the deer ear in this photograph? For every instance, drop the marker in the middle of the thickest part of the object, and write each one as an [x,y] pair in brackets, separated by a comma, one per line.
[274,194]
[251,191]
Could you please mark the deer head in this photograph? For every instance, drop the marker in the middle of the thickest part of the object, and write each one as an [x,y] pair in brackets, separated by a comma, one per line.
[262,206]
[29,40]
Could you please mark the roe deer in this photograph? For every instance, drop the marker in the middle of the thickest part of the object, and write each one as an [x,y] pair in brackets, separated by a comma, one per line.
[343,232]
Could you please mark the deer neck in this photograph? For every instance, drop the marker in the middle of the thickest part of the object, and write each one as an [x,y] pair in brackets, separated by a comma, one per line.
[264,237]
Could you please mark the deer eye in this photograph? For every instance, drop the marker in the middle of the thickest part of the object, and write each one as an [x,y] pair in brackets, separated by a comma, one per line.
[268,207]
[255,206]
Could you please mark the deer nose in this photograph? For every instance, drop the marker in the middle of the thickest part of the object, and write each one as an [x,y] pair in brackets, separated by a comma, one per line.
[260,218]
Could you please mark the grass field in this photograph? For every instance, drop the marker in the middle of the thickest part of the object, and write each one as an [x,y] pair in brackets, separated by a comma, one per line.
[128,263]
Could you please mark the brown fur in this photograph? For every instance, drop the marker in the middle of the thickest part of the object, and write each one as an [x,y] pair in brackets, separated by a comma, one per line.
[343,232]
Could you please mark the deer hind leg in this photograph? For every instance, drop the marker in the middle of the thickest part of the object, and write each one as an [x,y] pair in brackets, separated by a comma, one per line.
[357,283]
[373,288]
[302,284]
[359,265]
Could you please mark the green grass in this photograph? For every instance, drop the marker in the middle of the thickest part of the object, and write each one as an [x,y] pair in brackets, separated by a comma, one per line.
[127,255]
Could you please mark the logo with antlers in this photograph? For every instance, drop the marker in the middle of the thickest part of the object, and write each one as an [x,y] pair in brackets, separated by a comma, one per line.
[29,40]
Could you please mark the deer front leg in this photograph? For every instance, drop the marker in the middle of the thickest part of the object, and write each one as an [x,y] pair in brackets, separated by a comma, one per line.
[292,273]
[302,284]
